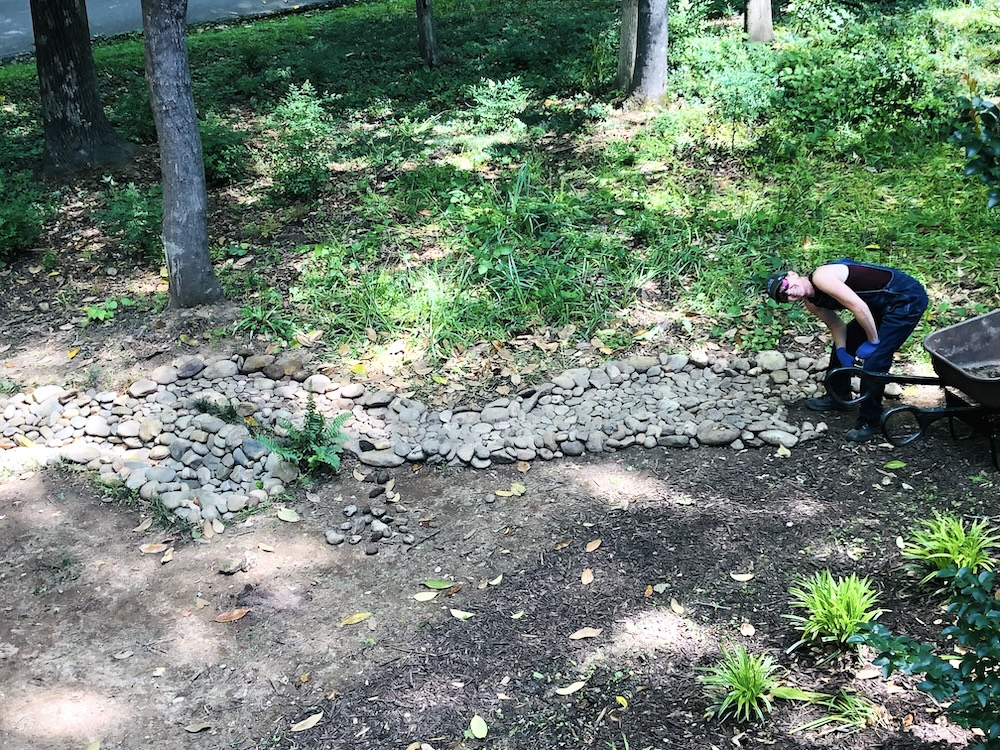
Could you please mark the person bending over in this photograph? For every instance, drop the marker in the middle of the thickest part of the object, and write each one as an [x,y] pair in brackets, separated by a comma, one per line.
[886,305]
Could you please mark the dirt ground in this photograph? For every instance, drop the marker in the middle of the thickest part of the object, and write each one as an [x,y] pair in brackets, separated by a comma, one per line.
[100,643]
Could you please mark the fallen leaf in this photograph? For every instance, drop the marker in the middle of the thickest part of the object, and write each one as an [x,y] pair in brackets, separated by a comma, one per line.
[288,515]
[461,614]
[895,464]
[478,727]
[304,678]
[647,592]
[95,745]
[358,474]
[199,602]
[868,673]
[676,607]
[747,629]
[425,596]
[621,701]
[355,618]
[189,340]
[741,577]
[124,655]
[307,723]
[570,689]
[200,726]
[523,466]
[207,531]
[73,352]
[144,525]
[24,442]
[265,547]
[218,526]
[586,633]
[496,581]
[518,489]
[587,577]
[390,485]
[232,615]
[503,493]
[167,556]
[782,452]
[593,545]
[659,588]
[563,544]
[517,615]
[436,583]
[153,549]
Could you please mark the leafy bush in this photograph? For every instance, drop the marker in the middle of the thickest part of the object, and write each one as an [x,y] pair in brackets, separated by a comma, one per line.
[497,105]
[224,150]
[966,680]
[978,133]
[317,444]
[132,214]
[834,607]
[745,685]
[24,207]
[944,542]
[301,149]
[264,320]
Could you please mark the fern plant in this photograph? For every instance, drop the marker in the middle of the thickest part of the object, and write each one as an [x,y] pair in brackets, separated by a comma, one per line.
[317,444]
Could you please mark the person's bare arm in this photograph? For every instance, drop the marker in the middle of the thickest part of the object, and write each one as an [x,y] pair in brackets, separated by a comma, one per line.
[831,279]
[838,329]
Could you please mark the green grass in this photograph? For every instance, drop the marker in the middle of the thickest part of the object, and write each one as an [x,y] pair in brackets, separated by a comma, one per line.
[946,541]
[494,196]
[834,607]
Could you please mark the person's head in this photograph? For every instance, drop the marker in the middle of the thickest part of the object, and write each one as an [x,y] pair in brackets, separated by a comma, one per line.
[787,286]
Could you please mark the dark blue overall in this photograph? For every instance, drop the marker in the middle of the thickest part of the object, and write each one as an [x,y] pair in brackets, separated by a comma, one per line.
[897,308]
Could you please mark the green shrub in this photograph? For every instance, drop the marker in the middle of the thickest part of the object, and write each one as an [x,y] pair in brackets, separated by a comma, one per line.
[944,542]
[834,607]
[315,445]
[498,105]
[966,679]
[746,685]
[978,133]
[132,214]
[301,148]
[224,150]
[264,320]
[24,208]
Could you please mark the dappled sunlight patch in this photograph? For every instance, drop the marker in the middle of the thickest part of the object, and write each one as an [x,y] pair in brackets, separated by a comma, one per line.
[73,716]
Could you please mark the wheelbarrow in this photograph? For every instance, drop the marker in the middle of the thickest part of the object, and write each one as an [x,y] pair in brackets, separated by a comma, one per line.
[966,358]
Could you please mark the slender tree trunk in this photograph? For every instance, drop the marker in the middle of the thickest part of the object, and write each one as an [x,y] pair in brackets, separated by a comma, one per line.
[757,21]
[428,40]
[626,44]
[77,133]
[185,202]
[650,80]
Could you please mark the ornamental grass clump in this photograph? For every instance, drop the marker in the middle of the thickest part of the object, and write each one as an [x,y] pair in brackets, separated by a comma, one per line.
[745,685]
[834,607]
[944,542]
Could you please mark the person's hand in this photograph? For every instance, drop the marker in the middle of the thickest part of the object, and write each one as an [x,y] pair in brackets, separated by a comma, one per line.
[846,360]
[867,349]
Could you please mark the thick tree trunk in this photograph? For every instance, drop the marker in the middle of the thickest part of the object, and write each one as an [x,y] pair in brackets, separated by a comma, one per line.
[77,133]
[428,40]
[185,202]
[757,21]
[650,79]
[626,44]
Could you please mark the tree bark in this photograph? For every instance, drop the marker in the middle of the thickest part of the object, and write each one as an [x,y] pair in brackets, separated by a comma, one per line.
[757,21]
[626,44]
[185,201]
[77,132]
[428,40]
[650,80]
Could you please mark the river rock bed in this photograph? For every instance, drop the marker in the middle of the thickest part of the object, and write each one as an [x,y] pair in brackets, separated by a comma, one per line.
[165,437]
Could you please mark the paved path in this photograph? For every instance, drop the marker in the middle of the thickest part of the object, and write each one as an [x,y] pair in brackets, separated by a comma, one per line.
[110,17]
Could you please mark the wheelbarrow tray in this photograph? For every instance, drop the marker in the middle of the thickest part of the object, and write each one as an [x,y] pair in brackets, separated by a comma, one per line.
[966,356]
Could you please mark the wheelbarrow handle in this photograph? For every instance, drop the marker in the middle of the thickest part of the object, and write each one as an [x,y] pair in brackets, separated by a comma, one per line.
[873,377]
[924,418]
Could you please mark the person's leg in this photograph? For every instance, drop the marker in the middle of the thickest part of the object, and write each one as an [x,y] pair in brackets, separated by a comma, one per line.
[838,387]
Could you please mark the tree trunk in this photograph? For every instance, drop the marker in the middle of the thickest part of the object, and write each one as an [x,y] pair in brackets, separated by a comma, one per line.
[650,79]
[185,202]
[425,28]
[757,21]
[626,44]
[77,133]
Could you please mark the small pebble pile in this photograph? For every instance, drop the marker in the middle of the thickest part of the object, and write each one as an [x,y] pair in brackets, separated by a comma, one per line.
[162,438]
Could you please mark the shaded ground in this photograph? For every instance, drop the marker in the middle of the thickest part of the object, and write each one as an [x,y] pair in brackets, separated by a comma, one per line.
[99,642]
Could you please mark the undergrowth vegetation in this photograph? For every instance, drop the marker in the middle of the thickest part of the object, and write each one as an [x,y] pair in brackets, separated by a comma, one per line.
[503,194]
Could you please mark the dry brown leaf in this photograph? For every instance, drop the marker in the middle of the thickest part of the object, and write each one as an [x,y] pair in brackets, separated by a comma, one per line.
[747,629]
[307,723]
[200,726]
[207,531]
[288,515]
[167,556]
[586,633]
[355,618]
[461,614]
[199,602]
[265,547]
[358,474]
[523,466]
[425,596]
[676,606]
[496,581]
[232,615]
[741,577]
[144,525]
[570,689]
[389,486]
[593,545]
[563,543]
[218,526]
[868,673]
[587,577]
[155,548]
[648,592]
